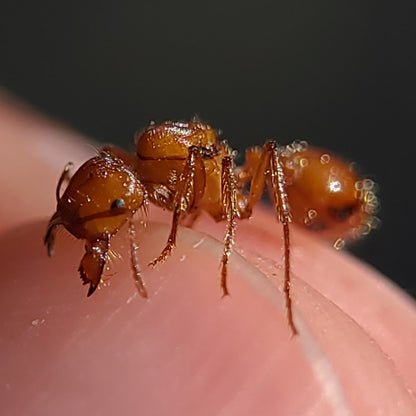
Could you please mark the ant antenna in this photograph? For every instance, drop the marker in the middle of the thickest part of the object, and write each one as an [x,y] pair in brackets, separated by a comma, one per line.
[64,175]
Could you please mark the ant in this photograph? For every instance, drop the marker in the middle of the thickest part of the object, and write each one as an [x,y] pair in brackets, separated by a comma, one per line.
[186,168]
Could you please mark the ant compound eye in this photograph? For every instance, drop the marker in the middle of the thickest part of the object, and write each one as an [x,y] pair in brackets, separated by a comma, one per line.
[117,203]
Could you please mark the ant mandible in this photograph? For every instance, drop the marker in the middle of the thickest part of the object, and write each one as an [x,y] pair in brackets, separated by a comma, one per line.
[184,167]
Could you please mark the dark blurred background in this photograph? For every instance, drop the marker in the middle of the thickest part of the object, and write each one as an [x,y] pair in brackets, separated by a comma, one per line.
[338,74]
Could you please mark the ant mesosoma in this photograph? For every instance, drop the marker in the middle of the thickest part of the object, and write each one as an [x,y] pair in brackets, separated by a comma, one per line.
[184,167]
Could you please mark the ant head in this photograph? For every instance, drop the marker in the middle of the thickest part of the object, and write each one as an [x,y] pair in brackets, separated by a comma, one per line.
[174,138]
[326,195]
[100,197]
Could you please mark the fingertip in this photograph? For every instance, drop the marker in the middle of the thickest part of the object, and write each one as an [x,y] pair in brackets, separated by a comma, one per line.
[215,349]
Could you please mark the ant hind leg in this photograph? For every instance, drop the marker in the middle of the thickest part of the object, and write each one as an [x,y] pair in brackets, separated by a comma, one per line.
[281,202]
[262,163]
[229,198]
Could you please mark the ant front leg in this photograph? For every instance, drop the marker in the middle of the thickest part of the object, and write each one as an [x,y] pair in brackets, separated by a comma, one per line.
[138,279]
[262,163]
[92,264]
[189,190]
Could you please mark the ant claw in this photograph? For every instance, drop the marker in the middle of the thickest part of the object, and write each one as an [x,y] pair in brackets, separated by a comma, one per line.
[142,290]
[225,293]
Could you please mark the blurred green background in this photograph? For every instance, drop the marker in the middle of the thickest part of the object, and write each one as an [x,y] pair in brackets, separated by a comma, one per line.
[337,74]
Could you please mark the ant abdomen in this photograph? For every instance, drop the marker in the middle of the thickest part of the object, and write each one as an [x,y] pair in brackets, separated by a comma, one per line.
[324,194]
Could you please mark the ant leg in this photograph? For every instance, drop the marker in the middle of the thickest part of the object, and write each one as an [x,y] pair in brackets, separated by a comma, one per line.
[229,199]
[245,174]
[190,189]
[253,172]
[283,210]
[259,163]
[92,264]
[135,262]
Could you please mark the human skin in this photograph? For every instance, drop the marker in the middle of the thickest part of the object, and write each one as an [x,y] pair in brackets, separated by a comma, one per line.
[185,350]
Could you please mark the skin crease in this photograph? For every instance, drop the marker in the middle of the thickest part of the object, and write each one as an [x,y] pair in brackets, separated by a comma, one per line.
[185,350]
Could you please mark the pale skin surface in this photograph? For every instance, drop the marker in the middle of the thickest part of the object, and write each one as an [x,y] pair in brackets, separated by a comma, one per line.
[185,350]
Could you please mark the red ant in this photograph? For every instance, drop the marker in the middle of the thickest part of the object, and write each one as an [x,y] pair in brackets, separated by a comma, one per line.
[184,167]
